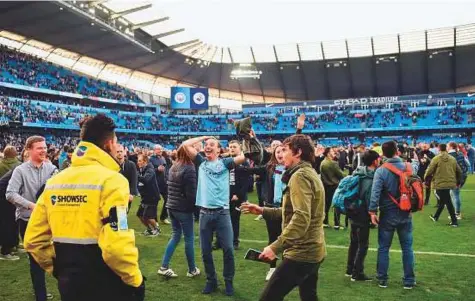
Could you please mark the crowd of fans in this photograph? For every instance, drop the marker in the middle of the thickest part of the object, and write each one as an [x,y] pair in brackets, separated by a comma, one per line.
[21,68]
[180,178]
[44,112]
[206,180]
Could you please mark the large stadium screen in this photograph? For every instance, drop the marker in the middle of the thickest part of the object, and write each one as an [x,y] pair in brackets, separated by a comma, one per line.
[185,98]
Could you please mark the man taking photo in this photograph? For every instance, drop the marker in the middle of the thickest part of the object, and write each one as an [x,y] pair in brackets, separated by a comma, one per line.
[303,210]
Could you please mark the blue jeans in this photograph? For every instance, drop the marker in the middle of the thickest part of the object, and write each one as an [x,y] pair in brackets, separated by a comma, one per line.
[391,222]
[182,222]
[218,221]
[455,195]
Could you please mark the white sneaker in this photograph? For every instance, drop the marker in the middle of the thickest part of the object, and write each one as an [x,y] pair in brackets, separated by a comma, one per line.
[166,221]
[167,273]
[270,273]
[152,233]
[195,273]
[9,257]
[258,218]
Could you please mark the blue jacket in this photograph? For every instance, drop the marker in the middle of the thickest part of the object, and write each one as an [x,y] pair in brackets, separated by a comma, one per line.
[471,154]
[384,182]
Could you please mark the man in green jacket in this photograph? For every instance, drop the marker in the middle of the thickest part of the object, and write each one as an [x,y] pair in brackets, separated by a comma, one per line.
[446,175]
[331,175]
[302,240]
[9,161]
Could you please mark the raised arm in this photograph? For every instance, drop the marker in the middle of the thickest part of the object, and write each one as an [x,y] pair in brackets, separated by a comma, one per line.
[300,123]
[189,145]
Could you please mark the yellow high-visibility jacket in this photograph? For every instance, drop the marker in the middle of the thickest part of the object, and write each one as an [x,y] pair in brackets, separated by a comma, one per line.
[72,209]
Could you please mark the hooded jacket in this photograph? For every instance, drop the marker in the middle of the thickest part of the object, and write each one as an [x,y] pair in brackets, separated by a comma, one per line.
[77,231]
[445,172]
[8,164]
[365,185]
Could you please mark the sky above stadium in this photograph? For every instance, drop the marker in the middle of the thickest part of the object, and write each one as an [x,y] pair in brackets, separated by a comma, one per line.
[255,22]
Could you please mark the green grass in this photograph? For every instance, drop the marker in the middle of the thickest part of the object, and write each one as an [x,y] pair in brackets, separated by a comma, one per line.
[439,278]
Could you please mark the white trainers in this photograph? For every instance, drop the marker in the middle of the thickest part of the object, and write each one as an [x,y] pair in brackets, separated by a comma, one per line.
[195,273]
[166,221]
[152,233]
[270,273]
[258,218]
[167,273]
[458,216]
[9,257]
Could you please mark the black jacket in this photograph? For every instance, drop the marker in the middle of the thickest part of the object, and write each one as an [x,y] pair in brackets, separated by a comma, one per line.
[148,187]
[422,168]
[129,171]
[342,160]
[182,183]
[318,162]
[239,183]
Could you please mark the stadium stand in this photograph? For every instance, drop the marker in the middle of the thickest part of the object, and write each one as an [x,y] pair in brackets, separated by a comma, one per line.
[24,69]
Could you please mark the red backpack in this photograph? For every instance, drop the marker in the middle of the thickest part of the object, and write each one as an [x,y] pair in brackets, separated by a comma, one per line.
[411,189]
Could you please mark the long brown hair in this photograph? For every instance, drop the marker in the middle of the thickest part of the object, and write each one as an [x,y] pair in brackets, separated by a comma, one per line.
[182,156]
[273,161]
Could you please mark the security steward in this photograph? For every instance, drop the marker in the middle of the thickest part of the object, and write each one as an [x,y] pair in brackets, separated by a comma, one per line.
[78,231]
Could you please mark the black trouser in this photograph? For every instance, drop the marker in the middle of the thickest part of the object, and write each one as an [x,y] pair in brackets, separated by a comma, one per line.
[287,276]
[329,192]
[83,275]
[36,272]
[164,193]
[359,241]
[443,196]
[235,219]
[260,193]
[8,228]
[427,191]
[274,229]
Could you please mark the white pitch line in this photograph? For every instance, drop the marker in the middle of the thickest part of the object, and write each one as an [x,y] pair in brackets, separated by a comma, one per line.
[375,250]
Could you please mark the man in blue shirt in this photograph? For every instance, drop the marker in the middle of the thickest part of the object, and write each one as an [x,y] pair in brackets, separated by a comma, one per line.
[213,196]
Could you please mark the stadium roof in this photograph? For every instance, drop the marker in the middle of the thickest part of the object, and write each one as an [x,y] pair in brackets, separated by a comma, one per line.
[122,42]
[247,30]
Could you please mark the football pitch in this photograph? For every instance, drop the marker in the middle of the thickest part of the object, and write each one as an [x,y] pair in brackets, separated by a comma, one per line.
[445,261]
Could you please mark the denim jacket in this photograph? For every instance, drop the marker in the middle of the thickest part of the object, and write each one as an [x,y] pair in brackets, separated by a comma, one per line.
[386,182]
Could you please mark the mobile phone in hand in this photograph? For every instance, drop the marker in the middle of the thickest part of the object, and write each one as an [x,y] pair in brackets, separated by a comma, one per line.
[253,255]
